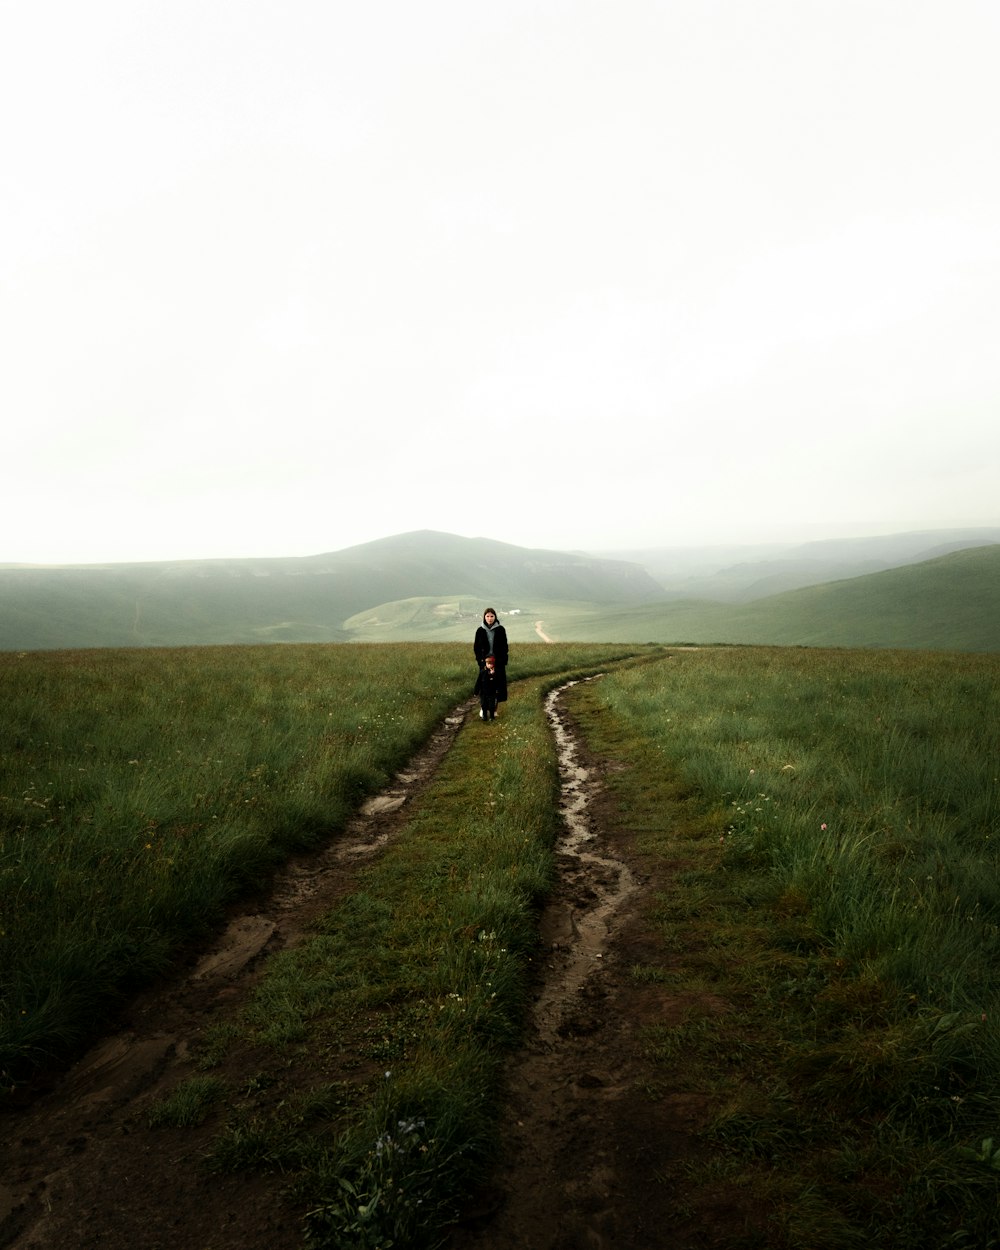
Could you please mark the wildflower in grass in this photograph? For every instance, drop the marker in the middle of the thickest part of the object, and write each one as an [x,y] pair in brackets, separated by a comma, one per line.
[823,826]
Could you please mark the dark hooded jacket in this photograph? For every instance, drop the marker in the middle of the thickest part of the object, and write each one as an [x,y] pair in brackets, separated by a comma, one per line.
[492,642]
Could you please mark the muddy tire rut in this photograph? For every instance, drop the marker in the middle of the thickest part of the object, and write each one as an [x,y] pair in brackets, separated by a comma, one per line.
[580,1165]
[583,1146]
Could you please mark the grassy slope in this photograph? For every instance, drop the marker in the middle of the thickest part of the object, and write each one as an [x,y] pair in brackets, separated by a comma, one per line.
[951,603]
[454,619]
[136,605]
[380,593]
[287,600]
[830,832]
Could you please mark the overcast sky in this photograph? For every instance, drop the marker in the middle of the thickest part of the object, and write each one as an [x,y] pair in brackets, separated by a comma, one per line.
[276,279]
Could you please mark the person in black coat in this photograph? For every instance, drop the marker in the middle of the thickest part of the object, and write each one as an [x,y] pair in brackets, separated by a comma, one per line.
[491,639]
[486,688]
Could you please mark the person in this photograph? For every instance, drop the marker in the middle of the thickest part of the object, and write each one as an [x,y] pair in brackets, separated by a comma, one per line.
[491,639]
[486,688]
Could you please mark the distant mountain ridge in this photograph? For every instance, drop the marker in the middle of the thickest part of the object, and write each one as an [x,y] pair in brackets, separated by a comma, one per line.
[433,586]
[739,574]
[950,603]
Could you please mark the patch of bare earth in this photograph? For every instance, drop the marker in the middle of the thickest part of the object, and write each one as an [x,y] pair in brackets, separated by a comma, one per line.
[590,1153]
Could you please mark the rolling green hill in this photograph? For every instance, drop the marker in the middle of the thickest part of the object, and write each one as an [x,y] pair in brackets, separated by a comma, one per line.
[741,573]
[948,603]
[289,600]
[430,586]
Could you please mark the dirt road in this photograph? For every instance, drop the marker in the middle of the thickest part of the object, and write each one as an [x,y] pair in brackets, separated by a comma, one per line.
[585,1144]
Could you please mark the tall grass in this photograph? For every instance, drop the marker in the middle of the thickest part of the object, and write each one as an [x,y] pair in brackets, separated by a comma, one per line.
[867,781]
[855,803]
[142,790]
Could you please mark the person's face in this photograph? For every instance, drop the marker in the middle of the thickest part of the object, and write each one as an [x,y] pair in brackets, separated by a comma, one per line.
[490,618]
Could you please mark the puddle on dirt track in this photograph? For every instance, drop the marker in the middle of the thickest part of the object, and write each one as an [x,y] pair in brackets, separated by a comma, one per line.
[578,923]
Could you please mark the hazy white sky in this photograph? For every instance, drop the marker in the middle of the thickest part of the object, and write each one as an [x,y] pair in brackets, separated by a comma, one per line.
[276,279]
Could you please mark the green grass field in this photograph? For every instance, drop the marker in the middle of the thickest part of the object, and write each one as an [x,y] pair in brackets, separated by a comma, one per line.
[141,791]
[837,813]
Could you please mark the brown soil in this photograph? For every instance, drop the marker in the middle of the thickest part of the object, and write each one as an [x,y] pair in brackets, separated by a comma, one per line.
[591,1152]
[590,1157]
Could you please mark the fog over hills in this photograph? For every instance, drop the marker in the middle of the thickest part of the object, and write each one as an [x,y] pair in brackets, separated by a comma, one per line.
[734,573]
[949,603]
[433,586]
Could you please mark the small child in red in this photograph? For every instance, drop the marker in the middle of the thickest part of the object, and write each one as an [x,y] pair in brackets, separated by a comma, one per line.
[486,688]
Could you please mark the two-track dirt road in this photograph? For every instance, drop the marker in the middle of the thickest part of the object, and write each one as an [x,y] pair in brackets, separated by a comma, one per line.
[585,1145]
